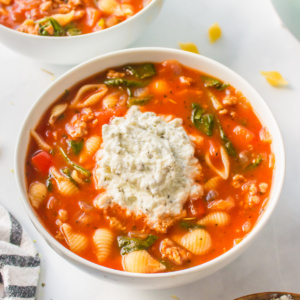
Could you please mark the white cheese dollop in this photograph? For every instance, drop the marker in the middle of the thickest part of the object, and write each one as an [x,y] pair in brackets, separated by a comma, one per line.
[147,166]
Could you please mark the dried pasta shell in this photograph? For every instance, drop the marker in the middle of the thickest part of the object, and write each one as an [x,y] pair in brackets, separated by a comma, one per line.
[190,47]
[218,218]
[91,145]
[214,32]
[40,142]
[77,242]
[37,193]
[225,159]
[103,239]
[64,19]
[274,78]
[197,241]
[212,183]
[141,262]
[57,111]
[93,99]
[65,186]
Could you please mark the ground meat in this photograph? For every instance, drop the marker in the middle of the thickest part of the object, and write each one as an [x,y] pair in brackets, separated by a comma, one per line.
[29,26]
[114,74]
[77,127]
[174,253]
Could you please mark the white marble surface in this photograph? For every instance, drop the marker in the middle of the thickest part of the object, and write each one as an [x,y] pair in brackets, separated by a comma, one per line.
[253,39]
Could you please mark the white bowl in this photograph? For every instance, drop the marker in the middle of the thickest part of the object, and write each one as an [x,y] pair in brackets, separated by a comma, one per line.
[161,280]
[289,12]
[71,50]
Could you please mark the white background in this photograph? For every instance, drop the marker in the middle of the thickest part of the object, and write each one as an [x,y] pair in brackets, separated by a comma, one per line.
[253,39]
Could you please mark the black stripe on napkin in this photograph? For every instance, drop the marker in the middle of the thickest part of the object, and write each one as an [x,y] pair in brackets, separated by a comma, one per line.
[19,261]
[16,231]
[1,279]
[20,291]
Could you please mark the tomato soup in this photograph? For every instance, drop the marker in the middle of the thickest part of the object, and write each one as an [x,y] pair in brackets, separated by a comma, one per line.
[66,18]
[150,167]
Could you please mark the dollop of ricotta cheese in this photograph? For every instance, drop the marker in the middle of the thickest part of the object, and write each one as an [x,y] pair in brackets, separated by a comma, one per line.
[147,166]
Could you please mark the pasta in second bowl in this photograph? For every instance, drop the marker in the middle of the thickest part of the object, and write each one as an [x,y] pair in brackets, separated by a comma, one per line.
[150,165]
[77,30]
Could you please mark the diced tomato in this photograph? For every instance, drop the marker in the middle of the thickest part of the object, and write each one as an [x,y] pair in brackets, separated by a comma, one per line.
[195,208]
[93,15]
[243,133]
[106,115]
[42,162]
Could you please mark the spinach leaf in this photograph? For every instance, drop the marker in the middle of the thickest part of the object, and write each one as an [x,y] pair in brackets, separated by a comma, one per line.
[128,244]
[226,142]
[138,101]
[213,82]
[49,184]
[190,226]
[46,22]
[255,163]
[125,82]
[74,165]
[76,146]
[204,122]
[58,30]
[71,30]
[141,71]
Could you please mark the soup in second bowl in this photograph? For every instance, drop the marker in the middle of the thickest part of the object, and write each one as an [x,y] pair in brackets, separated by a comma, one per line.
[150,167]
[66,18]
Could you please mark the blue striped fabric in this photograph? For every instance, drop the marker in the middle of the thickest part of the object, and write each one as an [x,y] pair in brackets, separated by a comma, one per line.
[19,260]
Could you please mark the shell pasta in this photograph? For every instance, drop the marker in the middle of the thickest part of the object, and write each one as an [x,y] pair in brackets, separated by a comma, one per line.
[148,168]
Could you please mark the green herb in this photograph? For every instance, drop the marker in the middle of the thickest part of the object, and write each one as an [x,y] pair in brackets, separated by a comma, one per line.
[67,172]
[204,122]
[61,117]
[128,244]
[49,184]
[255,163]
[190,226]
[76,146]
[74,165]
[226,142]
[125,82]
[166,264]
[138,101]
[141,71]
[71,30]
[213,82]
[58,30]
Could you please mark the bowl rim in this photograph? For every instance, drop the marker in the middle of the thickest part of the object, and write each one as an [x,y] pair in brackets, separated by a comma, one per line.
[131,19]
[280,165]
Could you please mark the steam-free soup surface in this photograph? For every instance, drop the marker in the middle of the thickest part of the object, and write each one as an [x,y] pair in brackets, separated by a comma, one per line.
[150,168]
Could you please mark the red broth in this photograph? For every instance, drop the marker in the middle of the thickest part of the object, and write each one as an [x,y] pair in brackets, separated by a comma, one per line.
[61,18]
[174,90]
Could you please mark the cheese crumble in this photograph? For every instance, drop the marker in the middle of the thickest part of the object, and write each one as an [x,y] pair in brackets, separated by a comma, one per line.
[147,166]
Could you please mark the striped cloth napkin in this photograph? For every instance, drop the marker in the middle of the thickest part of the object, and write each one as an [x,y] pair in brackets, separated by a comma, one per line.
[19,260]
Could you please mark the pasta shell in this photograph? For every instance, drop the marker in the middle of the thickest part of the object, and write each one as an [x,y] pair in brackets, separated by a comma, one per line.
[111,100]
[218,218]
[37,193]
[197,241]
[65,186]
[91,145]
[214,32]
[40,142]
[274,78]
[212,183]
[76,177]
[141,262]
[93,99]
[111,7]
[56,111]
[190,47]
[226,164]
[64,19]
[103,239]
[77,242]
